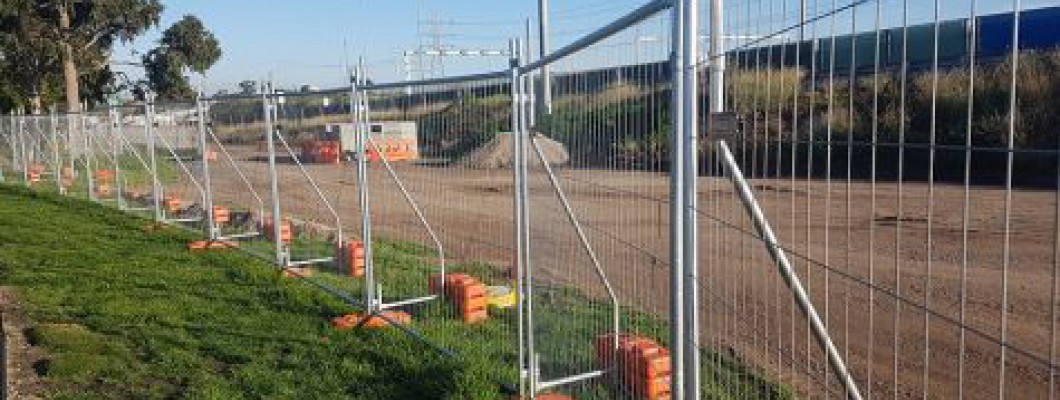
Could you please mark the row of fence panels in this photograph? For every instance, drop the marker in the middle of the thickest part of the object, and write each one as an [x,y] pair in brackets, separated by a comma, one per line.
[898,158]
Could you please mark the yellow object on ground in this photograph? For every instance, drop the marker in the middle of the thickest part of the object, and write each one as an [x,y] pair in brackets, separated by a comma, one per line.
[501,296]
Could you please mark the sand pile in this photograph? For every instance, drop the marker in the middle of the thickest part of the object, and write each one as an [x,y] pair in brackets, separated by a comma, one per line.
[497,153]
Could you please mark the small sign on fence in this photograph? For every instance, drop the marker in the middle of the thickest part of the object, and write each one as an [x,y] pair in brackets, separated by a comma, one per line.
[723,126]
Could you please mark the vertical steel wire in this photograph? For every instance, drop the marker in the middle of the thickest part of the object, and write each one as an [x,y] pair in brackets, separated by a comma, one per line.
[1010,144]
[931,198]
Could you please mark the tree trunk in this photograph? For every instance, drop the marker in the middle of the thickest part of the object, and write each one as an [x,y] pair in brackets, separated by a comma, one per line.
[35,104]
[73,90]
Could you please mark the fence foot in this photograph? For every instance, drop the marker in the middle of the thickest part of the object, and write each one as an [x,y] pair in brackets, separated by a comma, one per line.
[297,272]
[373,321]
[203,245]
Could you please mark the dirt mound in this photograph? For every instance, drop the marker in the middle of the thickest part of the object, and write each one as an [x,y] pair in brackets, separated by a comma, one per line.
[497,153]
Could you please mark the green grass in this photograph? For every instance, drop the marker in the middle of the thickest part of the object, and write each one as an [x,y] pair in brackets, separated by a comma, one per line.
[125,314]
[131,315]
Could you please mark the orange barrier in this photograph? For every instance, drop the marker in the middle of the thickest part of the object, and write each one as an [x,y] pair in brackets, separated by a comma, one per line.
[172,203]
[472,302]
[270,231]
[395,150]
[350,256]
[349,321]
[104,175]
[435,284]
[468,295]
[36,172]
[329,152]
[321,151]
[221,215]
[643,364]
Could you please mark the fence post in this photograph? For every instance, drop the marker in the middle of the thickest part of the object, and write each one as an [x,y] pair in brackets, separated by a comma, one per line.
[207,193]
[690,147]
[270,131]
[90,179]
[113,126]
[361,130]
[517,207]
[149,130]
[22,149]
[543,50]
[677,201]
[57,162]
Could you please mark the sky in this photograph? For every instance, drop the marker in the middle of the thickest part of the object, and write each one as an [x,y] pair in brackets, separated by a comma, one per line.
[309,42]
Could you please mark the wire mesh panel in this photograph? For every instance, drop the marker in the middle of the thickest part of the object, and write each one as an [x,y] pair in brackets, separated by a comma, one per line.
[266,162]
[8,152]
[235,176]
[598,215]
[102,160]
[175,157]
[899,151]
[36,152]
[133,174]
[440,185]
[239,176]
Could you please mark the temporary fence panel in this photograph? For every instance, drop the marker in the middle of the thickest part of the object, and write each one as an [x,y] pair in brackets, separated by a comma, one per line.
[303,218]
[907,173]
[173,145]
[133,172]
[35,151]
[235,205]
[421,142]
[237,175]
[8,154]
[596,192]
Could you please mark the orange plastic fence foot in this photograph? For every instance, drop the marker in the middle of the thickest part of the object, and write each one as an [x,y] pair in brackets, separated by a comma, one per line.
[202,245]
[297,272]
[467,294]
[350,256]
[643,364]
[349,321]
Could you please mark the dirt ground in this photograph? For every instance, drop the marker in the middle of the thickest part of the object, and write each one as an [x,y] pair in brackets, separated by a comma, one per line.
[855,247]
[21,380]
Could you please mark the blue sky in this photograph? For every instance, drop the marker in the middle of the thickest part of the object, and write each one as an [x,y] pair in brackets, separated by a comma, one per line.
[308,41]
[302,42]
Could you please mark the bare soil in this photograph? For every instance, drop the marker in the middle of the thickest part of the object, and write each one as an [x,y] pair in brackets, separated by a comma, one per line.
[21,380]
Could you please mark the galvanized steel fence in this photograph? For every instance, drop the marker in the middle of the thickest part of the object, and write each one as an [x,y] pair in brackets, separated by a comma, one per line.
[839,198]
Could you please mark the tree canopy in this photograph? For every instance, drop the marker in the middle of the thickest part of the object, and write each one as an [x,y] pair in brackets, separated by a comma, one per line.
[185,46]
[58,51]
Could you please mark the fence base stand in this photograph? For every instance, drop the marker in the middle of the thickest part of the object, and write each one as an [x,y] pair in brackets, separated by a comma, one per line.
[155,227]
[297,272]
[374,321]
[203,245]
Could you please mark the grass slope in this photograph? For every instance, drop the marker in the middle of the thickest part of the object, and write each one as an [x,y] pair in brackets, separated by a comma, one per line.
[126,314]
[131,315]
